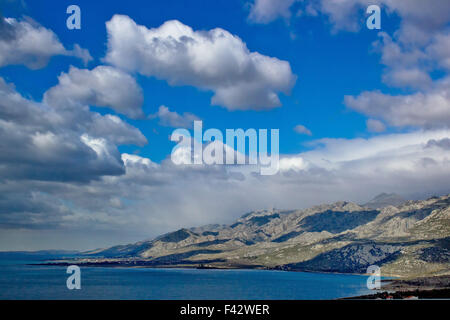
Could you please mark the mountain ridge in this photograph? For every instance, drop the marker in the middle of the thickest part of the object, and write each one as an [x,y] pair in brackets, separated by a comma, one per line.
[385,199]
[410,239]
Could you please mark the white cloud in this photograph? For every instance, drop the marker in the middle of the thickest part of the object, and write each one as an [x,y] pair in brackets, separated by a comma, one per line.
[345,15]
[417,48]
[374,125]
[439,50]
[212,60]
[62,143]
[407,66]
[26,42]
[412,78]
[332,153]
[112,128]
[418,18]
[173,119]
[301,129]
[103,86]
[292,163]
[131,160]
[430,108]
[410,55]
[264,11]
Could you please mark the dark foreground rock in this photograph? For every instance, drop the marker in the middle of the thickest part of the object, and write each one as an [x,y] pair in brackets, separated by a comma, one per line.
[424,283]
[407,295]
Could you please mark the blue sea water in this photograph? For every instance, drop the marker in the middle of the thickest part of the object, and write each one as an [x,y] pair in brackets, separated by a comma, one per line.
[18,280]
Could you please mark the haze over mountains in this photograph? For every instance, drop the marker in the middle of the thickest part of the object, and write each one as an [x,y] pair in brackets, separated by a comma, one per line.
[385,199]
[410,238]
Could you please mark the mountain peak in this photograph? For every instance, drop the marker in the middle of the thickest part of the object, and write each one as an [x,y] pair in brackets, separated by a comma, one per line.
[385,199]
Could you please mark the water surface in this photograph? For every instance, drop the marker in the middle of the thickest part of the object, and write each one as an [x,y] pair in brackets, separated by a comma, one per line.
[21,281]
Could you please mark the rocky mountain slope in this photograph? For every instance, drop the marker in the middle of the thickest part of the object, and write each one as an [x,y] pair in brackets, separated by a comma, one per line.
[411,239]
[385,199]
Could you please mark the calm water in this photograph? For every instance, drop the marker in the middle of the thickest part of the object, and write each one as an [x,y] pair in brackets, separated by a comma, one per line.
[21,281]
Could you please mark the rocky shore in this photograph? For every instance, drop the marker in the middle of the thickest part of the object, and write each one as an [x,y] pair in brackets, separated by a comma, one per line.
[420,288]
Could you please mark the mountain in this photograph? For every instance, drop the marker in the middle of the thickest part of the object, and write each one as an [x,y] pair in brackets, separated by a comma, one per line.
[41,255]
[407,240]
[385,199]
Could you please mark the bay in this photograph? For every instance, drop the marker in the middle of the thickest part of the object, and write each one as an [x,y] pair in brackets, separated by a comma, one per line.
[19,280]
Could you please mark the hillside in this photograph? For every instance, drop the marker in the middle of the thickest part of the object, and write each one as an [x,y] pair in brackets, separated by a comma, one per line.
[409,240]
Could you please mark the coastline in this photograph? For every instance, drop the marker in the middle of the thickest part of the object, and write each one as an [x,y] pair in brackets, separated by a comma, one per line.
[189,265]
[434,287]
[437,287]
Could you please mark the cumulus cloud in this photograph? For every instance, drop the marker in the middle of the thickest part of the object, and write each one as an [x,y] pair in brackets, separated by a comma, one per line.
[301,129]
[416,56]
[410,54]
[40,142]
[132,160]
[418,18]
[430,108]
[52,150]
[264,11]
[375,125]
[212,60]
[409,66]
[442,143]
[439,50]
[295,163]
[411,78]
[103,86]
[112,128]
[28,43]
[417,48]
[173,119]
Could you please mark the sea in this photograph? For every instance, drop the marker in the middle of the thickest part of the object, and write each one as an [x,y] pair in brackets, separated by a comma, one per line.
[21,278]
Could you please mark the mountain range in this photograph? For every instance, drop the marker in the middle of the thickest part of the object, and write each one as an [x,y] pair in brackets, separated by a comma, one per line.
[404,238]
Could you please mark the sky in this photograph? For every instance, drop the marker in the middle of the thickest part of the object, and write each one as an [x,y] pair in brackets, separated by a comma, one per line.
[86,114]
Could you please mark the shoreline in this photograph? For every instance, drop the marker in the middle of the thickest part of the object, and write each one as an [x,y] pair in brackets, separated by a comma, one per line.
[441,294]
[117,264]
[435,287]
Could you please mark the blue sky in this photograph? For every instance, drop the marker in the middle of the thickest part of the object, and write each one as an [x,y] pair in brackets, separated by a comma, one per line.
[316,100]
[85,158]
